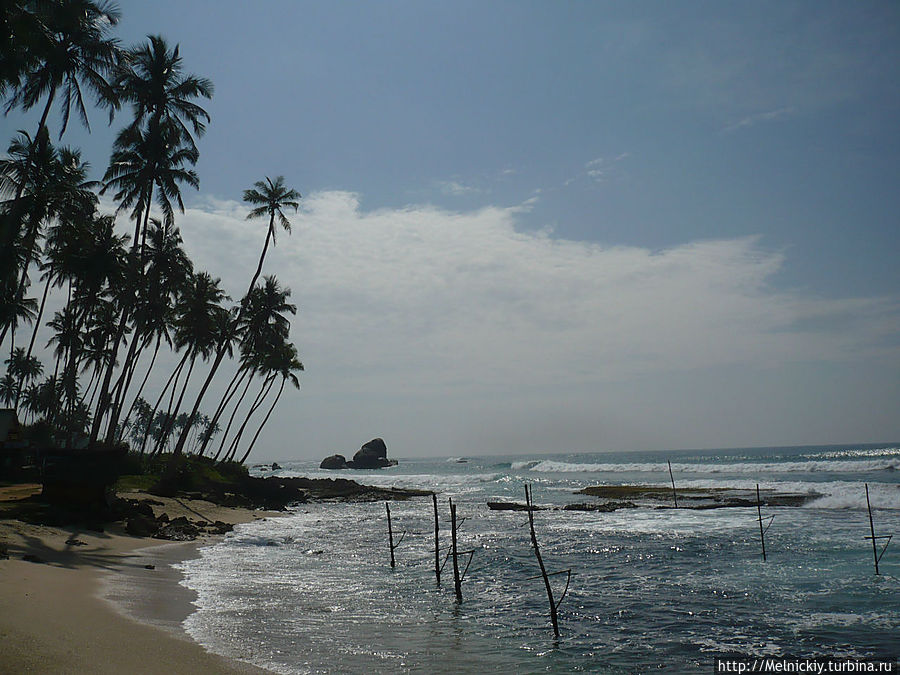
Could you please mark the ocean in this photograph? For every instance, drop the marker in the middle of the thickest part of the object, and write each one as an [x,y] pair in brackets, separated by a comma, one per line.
[654,589]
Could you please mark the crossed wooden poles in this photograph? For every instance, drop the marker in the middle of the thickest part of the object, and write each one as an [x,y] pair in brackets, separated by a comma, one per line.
[454,554]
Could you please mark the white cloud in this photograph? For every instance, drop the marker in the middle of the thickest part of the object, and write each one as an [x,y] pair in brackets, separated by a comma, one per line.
[455,188]
[752,120]
[426,298]
[438,328]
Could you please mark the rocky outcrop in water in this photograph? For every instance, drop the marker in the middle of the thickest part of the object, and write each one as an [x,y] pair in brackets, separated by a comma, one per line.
[372,455]
[334,462]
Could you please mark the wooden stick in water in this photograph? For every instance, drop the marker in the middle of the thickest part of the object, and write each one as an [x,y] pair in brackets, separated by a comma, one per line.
[762,538]
[674,494]
[437,555]
[872,528]
[537,554]
[390,532]
[456,579]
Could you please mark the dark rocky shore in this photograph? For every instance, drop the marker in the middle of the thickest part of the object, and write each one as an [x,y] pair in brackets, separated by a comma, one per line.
[660,497]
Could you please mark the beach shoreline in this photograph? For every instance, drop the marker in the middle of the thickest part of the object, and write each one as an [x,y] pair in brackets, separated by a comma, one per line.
[74,600]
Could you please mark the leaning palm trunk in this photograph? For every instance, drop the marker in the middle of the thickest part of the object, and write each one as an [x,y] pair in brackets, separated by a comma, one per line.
[34,332]
[103,404]
[257,402]
[170,417]
[230,391]
[231,418]
[143,383]
[159,400]
[265,419]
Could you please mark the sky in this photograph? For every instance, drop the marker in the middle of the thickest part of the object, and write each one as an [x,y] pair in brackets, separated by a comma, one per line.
[536,227]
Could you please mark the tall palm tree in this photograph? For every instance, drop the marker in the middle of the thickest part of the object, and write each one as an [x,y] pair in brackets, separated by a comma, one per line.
[17,56]
[262,327]
[70,49]
[153,81]
[264,330]
[51,184]
[272,198]
[201,316]
[167,271]
[135,170]
[285,363]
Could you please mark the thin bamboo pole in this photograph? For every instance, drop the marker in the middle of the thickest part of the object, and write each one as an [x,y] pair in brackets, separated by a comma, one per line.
[872,528]
[672,477]
[537,554]
[456,580]
[437,554]
[390,532]
[762,538]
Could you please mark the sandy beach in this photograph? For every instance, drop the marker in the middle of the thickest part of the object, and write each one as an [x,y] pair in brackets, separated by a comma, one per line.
[102,602]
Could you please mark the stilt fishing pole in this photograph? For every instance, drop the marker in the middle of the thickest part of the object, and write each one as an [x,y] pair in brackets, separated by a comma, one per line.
[762,532]
[672,477]
[391,534]
[554,606]
[437,554]
[875,552]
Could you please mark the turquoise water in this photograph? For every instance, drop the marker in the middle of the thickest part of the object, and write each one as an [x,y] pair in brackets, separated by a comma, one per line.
[655,590]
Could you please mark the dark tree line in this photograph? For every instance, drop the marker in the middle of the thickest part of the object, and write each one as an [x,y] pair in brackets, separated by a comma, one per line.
[126,296]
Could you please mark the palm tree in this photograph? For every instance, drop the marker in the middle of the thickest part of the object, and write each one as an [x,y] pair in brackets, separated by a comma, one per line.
[71,49]
[9,388]
[50,184]
[264,331]
[262,327]
[166,274]
[152,80]
[285,363]
[201,316]
[135,170]
[18,56]
[270,197]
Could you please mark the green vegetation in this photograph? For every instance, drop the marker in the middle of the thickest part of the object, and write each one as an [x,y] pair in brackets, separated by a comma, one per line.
[127,296]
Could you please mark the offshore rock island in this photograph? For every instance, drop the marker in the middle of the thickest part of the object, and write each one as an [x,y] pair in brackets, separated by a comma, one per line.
[372,455]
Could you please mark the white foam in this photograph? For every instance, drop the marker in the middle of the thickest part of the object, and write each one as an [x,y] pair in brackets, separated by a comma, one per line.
[808,466]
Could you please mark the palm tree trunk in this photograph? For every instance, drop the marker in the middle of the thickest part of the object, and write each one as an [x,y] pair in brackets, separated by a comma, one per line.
[230,391]
[159,400]
[37,324]
[233,413]
[269,234]
[181,397]
[144,381]
[260,397]
[167,428]
[222,348]
[265,419]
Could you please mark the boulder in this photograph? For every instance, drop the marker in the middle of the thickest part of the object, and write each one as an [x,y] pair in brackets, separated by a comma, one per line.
[334,462]
[372,455]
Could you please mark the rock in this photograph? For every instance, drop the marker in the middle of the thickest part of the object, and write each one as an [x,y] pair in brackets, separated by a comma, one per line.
[602,507]
[372,455]
[141,526]
[276,466]
[178,529]
[334,462]
[510,506]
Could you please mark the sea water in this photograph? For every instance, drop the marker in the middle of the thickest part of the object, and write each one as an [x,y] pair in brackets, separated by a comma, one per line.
[660,590]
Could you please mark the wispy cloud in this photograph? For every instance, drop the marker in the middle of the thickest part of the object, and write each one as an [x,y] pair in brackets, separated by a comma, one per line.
[752,120]
[456,188]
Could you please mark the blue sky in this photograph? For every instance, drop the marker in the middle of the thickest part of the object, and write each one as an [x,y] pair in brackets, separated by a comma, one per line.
[561,225]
